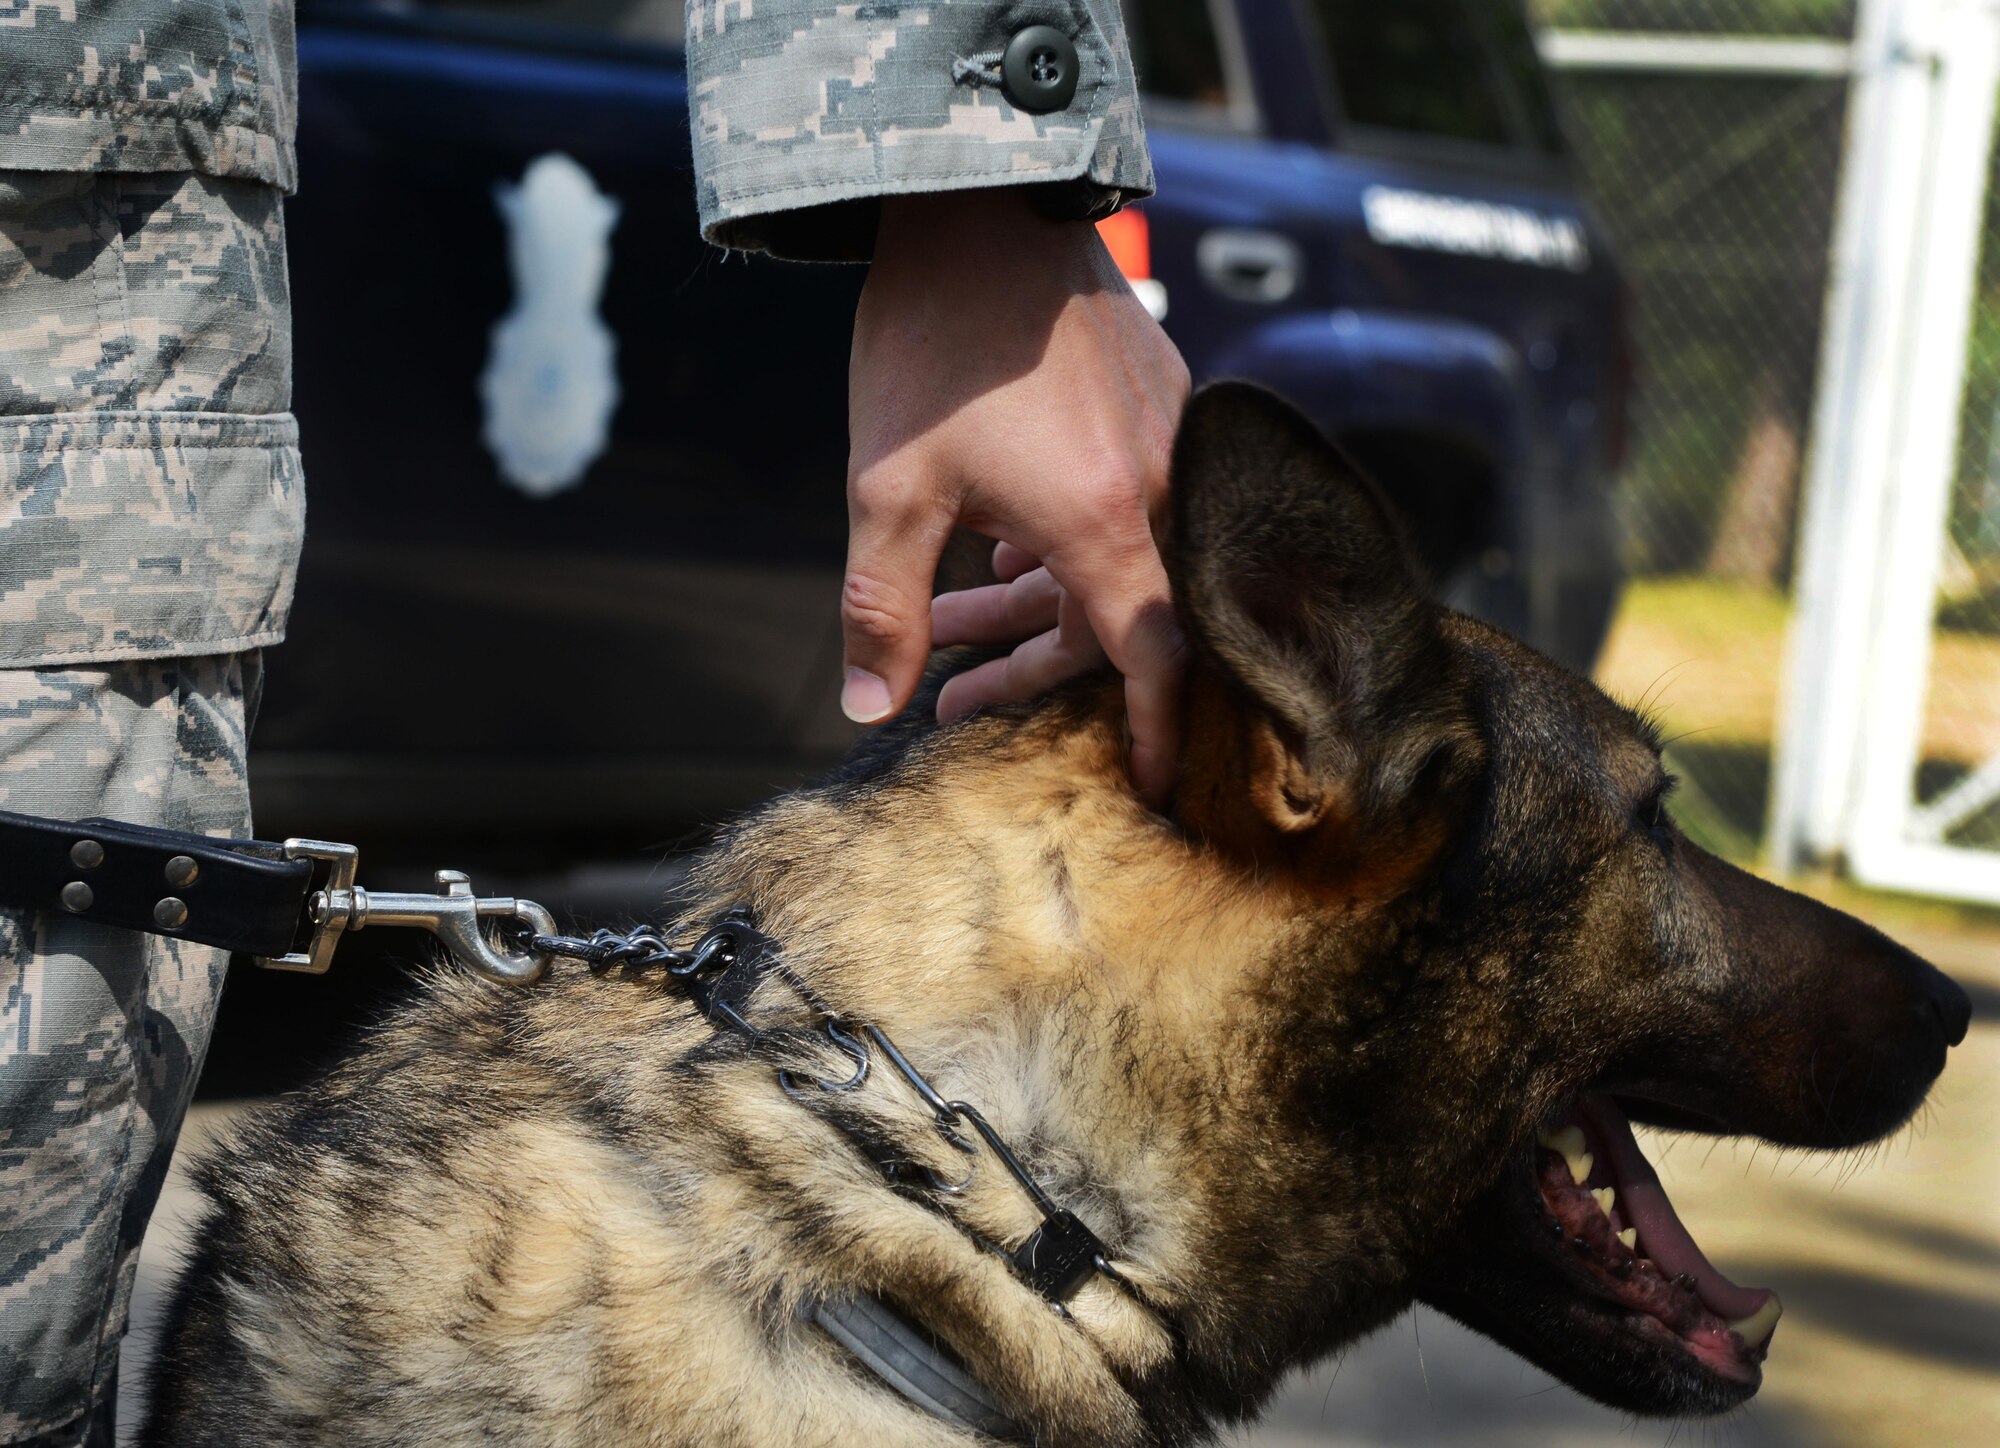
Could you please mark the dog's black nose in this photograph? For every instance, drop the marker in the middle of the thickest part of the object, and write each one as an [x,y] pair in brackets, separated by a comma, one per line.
[1952,1004]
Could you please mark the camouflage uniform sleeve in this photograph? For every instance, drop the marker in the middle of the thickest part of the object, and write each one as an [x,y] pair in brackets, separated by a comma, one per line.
[149,85]
[806,114]
[150,496]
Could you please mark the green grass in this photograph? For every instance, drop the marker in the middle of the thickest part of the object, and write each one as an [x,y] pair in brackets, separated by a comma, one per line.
[1706,659]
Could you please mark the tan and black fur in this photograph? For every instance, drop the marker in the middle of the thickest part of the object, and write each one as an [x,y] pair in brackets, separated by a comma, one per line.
[1285,1052]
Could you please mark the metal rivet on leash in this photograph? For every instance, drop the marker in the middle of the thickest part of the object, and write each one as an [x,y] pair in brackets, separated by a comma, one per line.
[170,912]
[86,854]
[77,896]
[182,871]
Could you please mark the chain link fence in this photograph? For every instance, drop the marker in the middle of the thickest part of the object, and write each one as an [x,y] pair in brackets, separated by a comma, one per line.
[1717,183]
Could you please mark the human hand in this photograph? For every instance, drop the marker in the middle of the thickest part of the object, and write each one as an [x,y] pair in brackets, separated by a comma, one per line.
[1004,377]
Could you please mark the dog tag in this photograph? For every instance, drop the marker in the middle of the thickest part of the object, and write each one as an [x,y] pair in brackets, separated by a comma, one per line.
[1058,1256]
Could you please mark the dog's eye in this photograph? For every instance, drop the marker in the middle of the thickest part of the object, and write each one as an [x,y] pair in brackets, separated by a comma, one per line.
[1650,814]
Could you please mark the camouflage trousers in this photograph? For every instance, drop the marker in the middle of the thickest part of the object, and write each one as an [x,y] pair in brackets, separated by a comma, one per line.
[150,518]
[151,504]
[102,1031]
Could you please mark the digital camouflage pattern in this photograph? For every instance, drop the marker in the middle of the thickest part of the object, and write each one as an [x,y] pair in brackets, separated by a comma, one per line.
[102,1031]
[151,512]
[149,85]
[802,112]
[150,494]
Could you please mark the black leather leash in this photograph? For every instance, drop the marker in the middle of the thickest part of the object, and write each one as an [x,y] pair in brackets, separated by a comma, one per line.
[287,905]
[241,895]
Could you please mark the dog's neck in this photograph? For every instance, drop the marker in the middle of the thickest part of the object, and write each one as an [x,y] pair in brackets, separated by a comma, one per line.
[997,868]
[1046,948]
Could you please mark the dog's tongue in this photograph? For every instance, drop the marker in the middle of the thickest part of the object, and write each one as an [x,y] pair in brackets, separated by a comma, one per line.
[1646,1207]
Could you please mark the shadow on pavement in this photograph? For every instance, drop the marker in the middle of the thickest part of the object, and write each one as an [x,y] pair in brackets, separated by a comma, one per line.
[1946,1326]
[1426,1382]
[1950,1246]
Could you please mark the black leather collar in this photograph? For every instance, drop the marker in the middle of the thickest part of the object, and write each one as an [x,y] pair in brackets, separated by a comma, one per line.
[914,1364]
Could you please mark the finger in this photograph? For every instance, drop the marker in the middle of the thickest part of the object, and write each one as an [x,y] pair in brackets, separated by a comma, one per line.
[1001,613]
[1010,562]
[896,534]
[1124,593]
[973,689]
[1153,706]
[1031,669]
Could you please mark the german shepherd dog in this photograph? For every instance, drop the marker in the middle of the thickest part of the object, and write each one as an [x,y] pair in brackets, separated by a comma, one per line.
[1365,1021]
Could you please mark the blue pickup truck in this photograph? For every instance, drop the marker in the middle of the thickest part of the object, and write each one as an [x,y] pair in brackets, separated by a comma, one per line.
[1367,207]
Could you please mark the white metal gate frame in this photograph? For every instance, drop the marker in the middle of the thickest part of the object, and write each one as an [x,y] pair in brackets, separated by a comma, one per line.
[1884,450]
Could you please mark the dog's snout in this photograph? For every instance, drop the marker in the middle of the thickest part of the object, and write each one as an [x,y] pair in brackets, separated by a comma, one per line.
[1953,1006]
[1865,1027]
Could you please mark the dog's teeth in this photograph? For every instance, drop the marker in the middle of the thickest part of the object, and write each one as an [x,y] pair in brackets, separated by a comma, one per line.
[1630,1237]
[1755,1330]
[1568,1143]
[1604,1197]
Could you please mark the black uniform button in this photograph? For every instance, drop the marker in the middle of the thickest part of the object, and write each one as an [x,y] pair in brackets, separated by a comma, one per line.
[1038,69]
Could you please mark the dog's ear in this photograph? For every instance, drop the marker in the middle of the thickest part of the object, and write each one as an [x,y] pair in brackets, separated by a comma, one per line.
[1327,721]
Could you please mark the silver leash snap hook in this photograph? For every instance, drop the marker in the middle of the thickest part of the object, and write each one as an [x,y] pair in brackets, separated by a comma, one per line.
[452,916]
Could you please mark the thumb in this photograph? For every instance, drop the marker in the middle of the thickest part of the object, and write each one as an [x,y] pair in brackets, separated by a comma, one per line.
[895,536]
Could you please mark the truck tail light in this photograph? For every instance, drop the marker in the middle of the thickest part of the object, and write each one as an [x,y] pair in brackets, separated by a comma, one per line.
[1129,239]
[1130,242]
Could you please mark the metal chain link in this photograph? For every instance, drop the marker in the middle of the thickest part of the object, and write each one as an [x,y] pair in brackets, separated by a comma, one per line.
[603,949]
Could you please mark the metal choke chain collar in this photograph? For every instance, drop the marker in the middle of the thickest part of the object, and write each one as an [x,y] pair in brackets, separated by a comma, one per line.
[719,973]
[513,941]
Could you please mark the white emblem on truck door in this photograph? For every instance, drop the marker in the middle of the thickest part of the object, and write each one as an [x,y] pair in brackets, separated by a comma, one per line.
[1431,222]
[550,384]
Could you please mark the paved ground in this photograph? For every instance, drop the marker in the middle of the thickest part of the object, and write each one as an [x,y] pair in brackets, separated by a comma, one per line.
[1889,1266]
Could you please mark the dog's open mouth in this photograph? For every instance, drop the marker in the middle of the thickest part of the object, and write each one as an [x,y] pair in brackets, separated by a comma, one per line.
[1577,1261]
[1604,1202]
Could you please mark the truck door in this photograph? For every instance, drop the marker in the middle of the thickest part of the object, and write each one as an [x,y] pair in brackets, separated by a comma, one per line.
[575,476]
